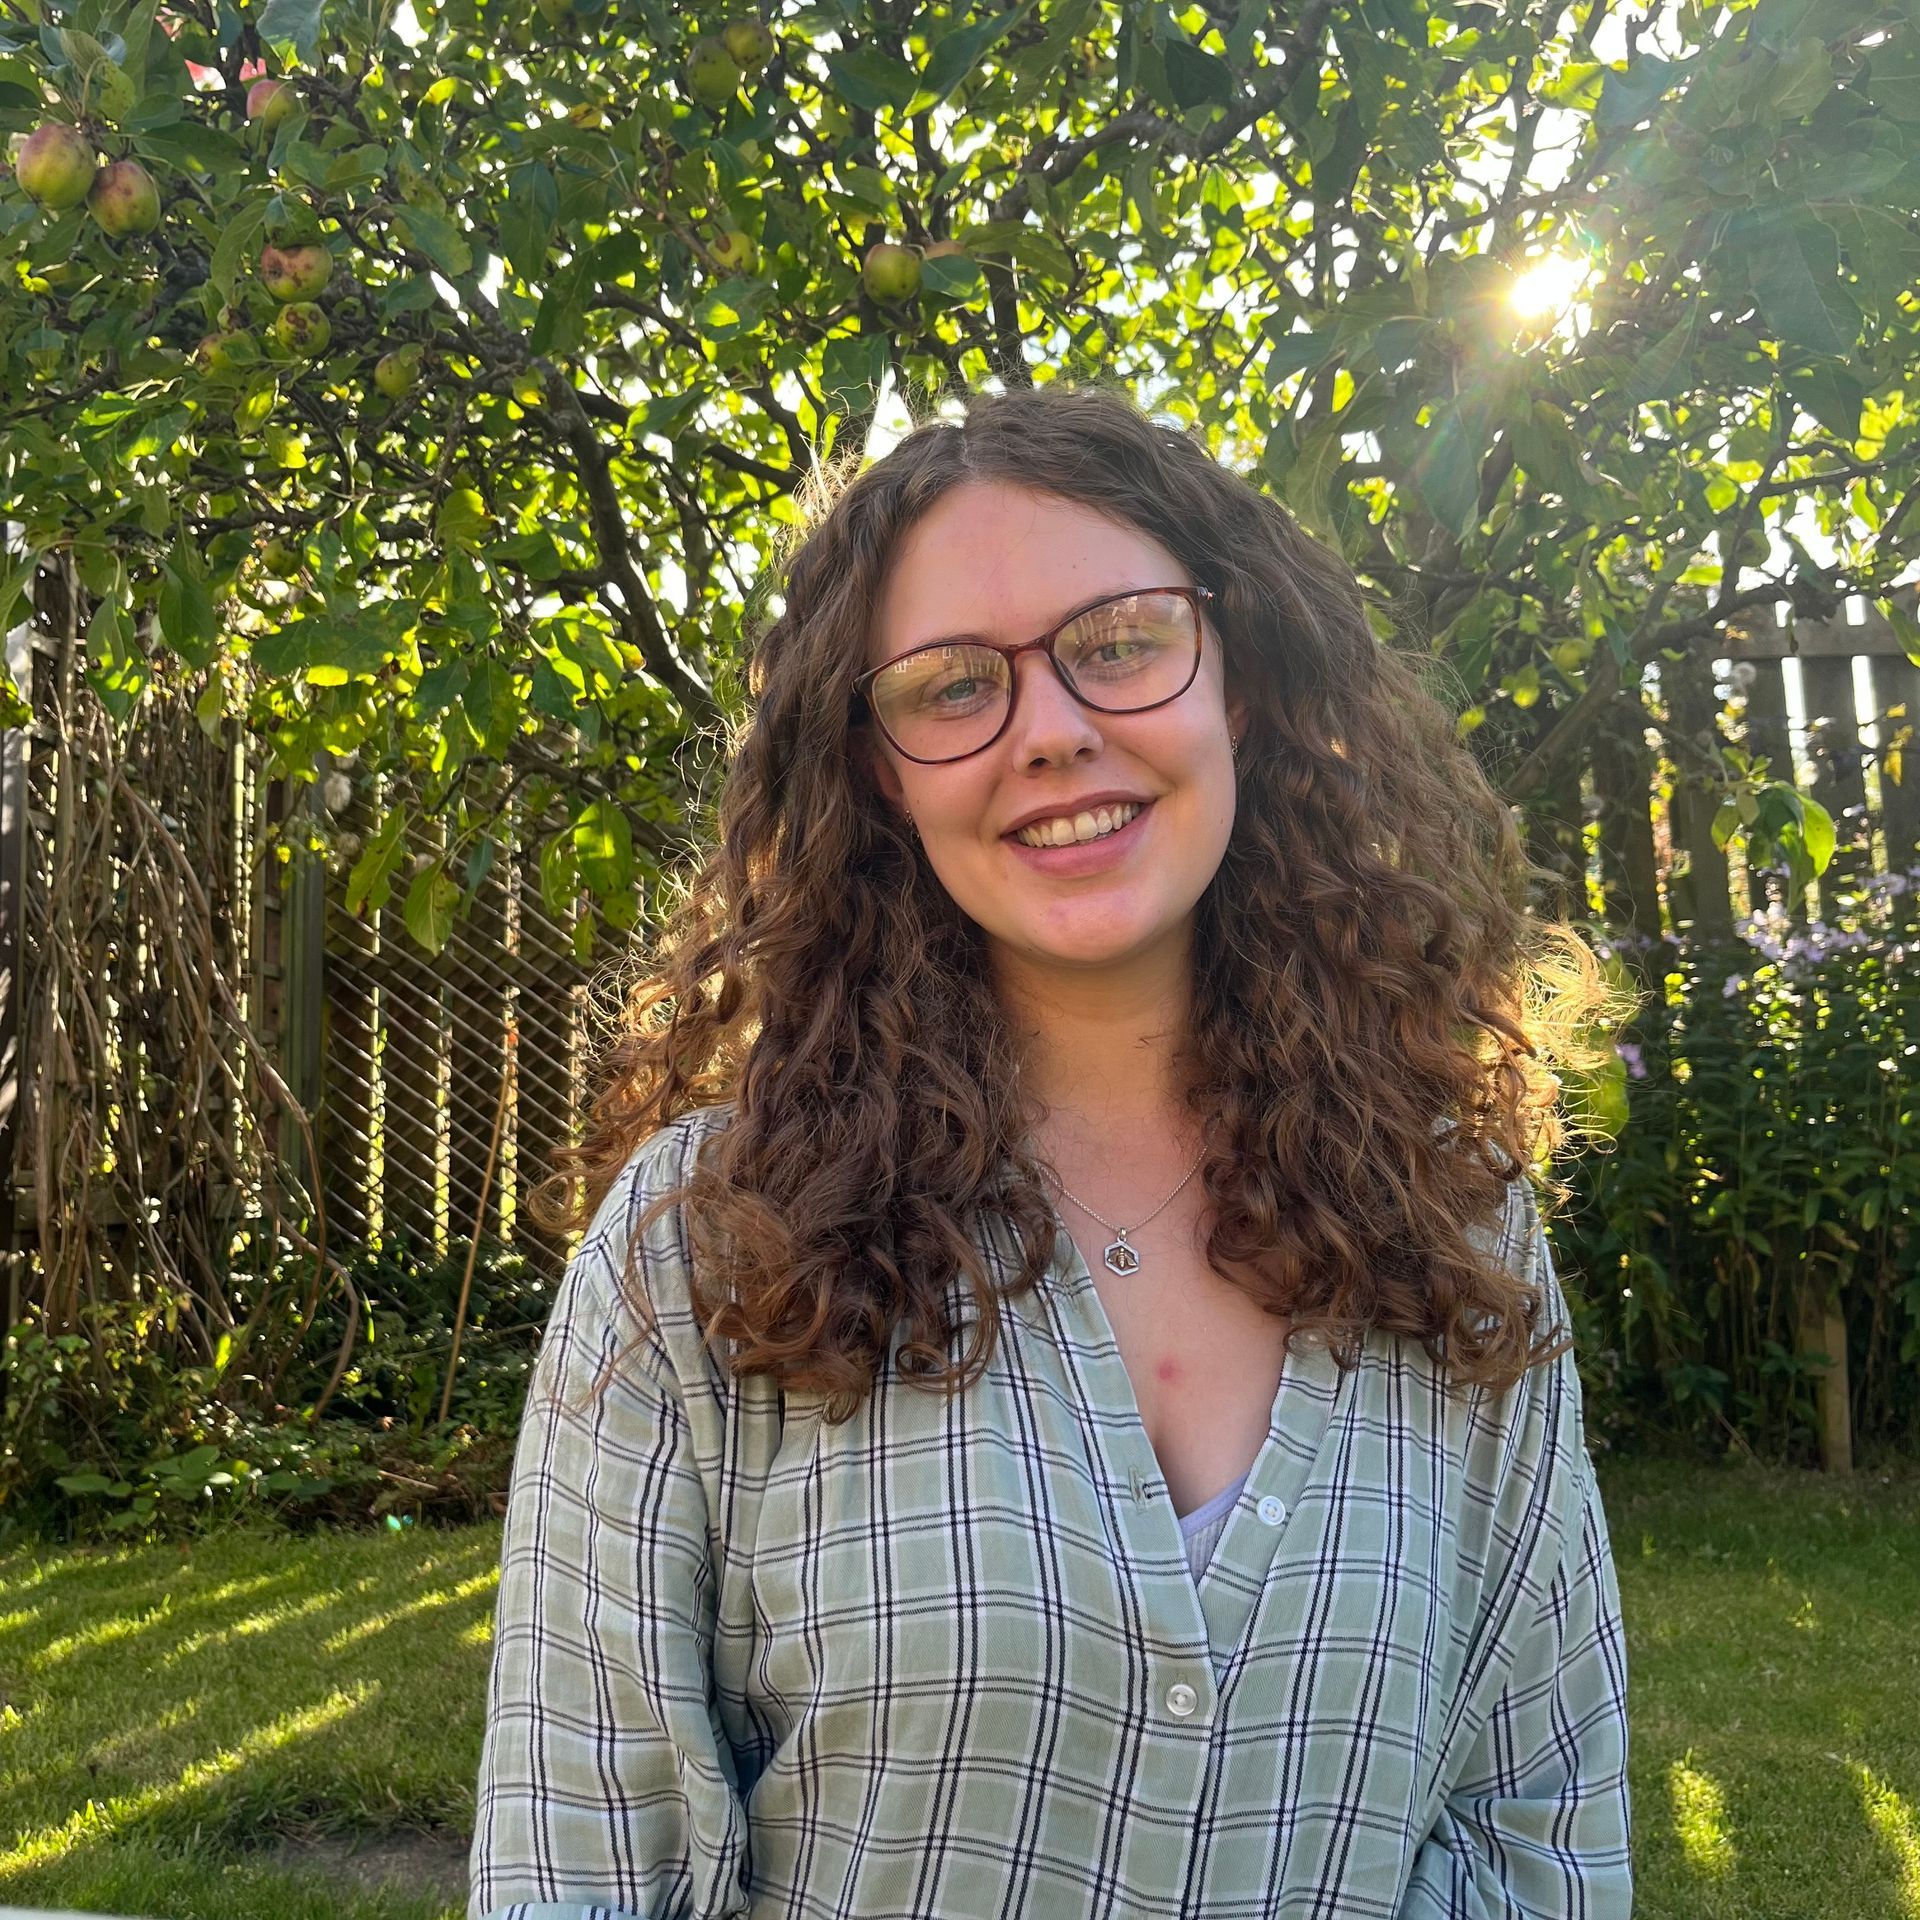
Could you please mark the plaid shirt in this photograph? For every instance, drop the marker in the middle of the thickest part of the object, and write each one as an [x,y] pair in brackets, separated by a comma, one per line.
[947,1659]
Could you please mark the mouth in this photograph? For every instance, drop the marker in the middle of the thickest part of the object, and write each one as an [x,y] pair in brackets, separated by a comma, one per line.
[1085,856]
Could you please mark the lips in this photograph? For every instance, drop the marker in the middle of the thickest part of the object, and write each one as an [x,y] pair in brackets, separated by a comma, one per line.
[1084,856]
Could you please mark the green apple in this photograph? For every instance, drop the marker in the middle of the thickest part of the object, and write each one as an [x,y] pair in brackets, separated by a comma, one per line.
[223,352]
[124,199]
[281,558]
[713,75]
[394,373]
[303,328]
[749,43]
[271,104]
[891,273]
[556,13]
[56,166]
[295,273]
[734,252]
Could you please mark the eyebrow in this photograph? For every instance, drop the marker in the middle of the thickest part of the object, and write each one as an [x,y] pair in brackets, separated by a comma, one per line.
[964,639]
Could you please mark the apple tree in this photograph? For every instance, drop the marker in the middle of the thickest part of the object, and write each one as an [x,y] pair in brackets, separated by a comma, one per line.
[428,382]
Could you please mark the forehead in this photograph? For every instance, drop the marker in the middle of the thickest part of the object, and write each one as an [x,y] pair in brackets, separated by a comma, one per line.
[1005,562]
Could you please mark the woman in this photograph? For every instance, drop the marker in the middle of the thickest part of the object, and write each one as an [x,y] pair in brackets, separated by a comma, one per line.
[1248,1560]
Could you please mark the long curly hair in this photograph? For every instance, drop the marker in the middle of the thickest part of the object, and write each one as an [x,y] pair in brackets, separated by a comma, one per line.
[1375,1017]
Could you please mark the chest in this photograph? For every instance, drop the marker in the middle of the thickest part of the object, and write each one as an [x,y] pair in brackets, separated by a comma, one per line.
[1204,1359]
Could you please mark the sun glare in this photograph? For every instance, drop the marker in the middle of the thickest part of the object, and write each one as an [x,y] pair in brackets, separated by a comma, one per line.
[1548,287]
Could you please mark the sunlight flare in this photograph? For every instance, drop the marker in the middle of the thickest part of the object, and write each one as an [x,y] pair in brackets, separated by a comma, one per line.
[1700,1821]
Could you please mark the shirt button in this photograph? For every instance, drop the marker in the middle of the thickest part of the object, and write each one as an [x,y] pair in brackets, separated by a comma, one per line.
[1273,1510]
[1181,1699]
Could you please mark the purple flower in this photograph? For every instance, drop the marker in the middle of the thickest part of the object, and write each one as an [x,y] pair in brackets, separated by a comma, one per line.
[1735,981]
[1633,1056]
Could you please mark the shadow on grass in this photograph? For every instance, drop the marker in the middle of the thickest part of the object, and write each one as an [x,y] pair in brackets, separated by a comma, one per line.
[268,1726]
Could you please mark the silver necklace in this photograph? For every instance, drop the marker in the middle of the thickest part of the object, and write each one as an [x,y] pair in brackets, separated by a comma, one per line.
[1120,1257]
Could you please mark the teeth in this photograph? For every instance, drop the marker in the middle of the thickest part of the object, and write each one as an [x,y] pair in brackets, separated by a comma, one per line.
[1067,831]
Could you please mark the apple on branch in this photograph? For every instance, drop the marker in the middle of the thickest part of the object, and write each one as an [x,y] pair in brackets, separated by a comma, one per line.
[734,252]
[713,75]
[295,273]
[271,104]
[749,43]
[124,199]
[56,166]
[395,373]
[303,328]
[891,272]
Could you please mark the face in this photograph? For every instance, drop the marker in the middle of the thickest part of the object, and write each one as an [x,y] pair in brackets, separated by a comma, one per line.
[1006,564]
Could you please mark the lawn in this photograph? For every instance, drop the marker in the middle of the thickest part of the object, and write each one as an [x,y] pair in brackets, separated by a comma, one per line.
[267,1724]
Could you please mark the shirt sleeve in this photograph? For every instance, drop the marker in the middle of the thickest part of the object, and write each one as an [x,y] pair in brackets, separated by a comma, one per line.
[1537,1825]
[607,1788]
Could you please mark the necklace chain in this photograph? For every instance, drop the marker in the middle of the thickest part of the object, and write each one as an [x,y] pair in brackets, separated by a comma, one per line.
[1120,1256]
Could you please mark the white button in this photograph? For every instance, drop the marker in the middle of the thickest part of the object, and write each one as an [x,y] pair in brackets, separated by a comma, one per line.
[1181,1699]
[1273,1510]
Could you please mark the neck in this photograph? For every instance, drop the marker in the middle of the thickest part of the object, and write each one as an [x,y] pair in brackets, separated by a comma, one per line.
[1103,1053]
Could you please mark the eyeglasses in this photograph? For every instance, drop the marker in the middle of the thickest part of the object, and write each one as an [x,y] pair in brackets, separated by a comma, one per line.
[1124,653]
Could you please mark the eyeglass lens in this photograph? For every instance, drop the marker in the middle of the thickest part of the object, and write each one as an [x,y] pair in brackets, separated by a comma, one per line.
[938,703]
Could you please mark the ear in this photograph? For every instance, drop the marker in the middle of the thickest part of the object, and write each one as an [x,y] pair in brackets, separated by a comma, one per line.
[873,755]
[1237,718]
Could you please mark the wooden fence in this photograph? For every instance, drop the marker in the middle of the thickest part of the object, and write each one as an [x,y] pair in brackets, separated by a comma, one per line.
[438,1086]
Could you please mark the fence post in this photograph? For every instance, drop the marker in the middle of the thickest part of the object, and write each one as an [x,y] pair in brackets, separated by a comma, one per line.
[347,1043]
[476,1054]
[1839,779]
[414,1019]
[1896,699]
[1823,1329]
[1769,732]
[14,827]
[302,936]
[1629,865]
[1700,894]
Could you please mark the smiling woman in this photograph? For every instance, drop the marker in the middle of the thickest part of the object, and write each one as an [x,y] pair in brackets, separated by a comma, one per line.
[1086,847]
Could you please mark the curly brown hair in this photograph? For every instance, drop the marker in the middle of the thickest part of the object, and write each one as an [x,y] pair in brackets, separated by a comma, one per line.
[1374,1012]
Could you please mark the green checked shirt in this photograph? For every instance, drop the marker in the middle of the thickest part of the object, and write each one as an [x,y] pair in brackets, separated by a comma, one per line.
[949,1660]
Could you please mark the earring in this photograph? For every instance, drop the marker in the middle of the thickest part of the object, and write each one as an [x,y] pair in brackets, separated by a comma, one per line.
[1235,747]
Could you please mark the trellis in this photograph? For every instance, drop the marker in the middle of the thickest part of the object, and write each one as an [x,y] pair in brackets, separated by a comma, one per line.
[429,1090]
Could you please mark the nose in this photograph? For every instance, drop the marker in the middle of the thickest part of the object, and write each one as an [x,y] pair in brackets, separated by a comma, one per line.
[1048,723]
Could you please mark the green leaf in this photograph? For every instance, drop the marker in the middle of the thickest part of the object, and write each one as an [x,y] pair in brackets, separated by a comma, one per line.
[186,608]
[369,885]
[16,576]
[1631,92]
[1312,477]
[461,520]
[952,276]
[436,236]
[1295,353]
[1833,394]
[526,230]
[1447,473]
[1802,298]
[235,248]
[866,77]
[1197,78]
[431,902]
[603,847]
[1654,375]
[956,54]
[851,369]
[1817,834]
[1906,629]
[292,23]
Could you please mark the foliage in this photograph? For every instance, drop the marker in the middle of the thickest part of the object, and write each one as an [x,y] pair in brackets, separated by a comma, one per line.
[1771,1159]
[104,1435]
[638,277]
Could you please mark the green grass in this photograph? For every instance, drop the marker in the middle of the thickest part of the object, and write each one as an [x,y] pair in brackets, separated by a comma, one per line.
[200,1733]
